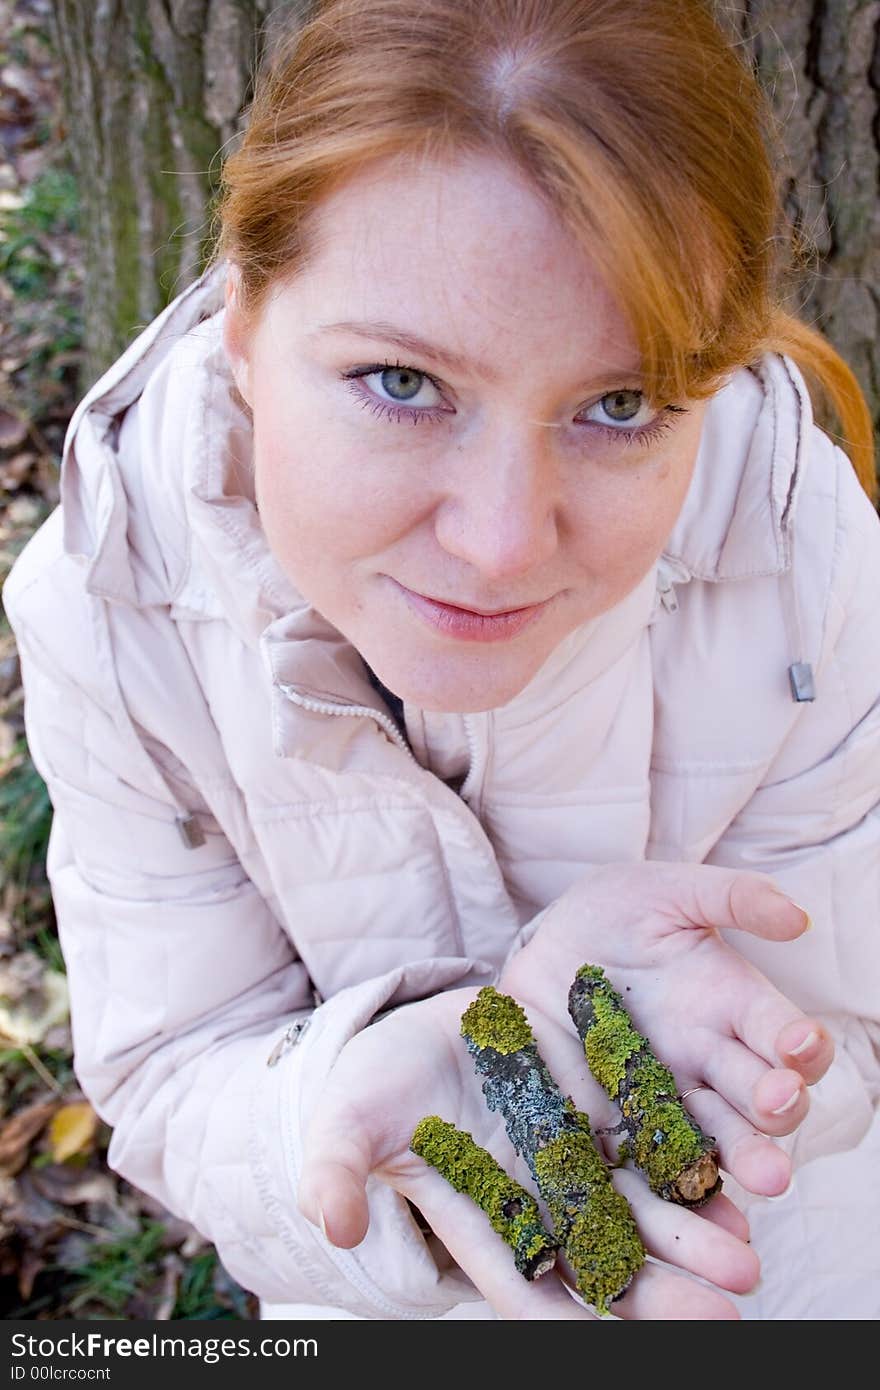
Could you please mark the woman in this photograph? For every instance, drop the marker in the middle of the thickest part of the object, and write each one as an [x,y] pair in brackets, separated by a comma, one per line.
[472,597]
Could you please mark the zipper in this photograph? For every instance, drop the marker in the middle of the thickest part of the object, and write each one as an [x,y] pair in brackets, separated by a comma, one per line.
[362,711]
[666,590]
[288,1040]
[474,773]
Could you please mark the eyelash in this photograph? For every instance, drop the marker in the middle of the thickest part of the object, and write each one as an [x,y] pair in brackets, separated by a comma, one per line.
[644,435]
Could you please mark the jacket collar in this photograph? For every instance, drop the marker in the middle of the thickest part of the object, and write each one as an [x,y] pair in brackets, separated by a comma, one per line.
[735,522]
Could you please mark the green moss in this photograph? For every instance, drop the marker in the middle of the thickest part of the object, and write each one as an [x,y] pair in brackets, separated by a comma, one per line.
[664,1140]
[496,1020]
[611,1041]
[590,1217]
[665,1143]
[511,1210]
[592,972]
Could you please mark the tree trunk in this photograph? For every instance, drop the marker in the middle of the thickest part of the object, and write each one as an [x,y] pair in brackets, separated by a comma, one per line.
[154,91]
[820,62]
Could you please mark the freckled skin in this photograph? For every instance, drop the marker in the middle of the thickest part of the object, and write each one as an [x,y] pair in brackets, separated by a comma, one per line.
[514,494]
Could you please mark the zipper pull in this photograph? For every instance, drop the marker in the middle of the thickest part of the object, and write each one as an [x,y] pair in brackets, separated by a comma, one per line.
[666,590]
[191,832]
[289,1039]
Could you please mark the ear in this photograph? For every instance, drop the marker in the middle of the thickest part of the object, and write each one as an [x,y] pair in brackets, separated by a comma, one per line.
[236,339]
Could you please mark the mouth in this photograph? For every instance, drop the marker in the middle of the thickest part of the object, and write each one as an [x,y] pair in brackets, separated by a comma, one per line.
[459,621]
[479,612]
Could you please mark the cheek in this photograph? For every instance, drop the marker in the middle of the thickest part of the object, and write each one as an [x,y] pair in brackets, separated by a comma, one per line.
[628,513]
[321,504]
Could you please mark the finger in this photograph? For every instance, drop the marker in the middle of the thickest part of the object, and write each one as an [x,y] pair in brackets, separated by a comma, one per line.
[773,1099]
[709,1249]
[659,1295]
[806,1047]
[655,1292]
[487,1259]
[720,1211]
[678,1236]
[730,898]
[768,1023]
[757,1163]
[337,1160]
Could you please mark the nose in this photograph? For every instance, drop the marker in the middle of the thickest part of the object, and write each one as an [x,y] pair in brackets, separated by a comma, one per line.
[500,512]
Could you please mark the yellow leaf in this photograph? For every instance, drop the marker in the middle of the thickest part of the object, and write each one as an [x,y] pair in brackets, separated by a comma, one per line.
[72,1130]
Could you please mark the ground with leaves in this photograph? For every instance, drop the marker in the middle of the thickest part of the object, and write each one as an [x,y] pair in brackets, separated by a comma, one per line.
[75,1240]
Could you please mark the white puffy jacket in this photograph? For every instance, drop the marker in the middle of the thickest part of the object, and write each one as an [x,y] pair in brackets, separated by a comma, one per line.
[241,831]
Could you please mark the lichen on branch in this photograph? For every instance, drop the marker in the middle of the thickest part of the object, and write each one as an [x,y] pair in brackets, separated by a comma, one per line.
[591,1220]
[512,1211]
[665,1141]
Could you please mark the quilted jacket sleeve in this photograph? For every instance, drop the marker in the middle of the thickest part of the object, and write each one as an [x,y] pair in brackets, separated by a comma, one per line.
[182,984]
[814,824]
[814,820]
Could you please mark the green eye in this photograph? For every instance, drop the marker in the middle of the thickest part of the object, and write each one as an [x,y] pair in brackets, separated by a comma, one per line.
[402,383]
[622,406]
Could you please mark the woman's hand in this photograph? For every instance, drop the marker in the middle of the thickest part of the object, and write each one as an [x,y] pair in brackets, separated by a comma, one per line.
[711,1017]
[415,1063]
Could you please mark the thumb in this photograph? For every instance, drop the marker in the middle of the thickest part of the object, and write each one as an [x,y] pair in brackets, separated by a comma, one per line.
[332,1190]
[746,902]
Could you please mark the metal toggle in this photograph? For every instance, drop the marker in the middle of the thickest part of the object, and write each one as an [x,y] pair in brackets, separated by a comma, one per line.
[803,687]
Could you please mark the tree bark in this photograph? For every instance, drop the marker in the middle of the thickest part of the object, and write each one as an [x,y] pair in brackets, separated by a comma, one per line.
[154,91]
[819,61]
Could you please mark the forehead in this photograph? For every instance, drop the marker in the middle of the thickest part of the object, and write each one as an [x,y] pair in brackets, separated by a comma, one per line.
[467,254]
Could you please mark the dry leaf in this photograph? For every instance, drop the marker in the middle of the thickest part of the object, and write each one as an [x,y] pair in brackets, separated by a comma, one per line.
[15,471]
[72,1130]
[173,1269]
[29,1021]
[13,429]
[23,511]
[73,1187]
[32,1263]
[17,1134]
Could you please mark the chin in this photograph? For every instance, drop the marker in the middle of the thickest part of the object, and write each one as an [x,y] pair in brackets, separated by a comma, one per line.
[462,694]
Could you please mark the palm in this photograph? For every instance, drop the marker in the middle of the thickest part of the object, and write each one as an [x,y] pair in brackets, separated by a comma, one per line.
[715,1021]
[414,1063]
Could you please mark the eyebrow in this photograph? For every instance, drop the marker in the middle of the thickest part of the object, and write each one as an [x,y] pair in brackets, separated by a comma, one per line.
[410,342]
[446,357]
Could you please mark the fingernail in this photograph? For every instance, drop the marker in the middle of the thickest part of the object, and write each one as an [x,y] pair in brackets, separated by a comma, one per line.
[323,1224]
[809,1041]
[808,921]
[789,1104]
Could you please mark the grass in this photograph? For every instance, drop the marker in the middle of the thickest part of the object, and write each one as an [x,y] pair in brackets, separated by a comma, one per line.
[126,1270]
[50,205]
[25,822]
[42,271]
[115,1271]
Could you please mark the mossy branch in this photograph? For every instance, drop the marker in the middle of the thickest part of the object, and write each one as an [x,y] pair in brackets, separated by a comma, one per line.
[512,1211]
[591,1219]
[666,1143]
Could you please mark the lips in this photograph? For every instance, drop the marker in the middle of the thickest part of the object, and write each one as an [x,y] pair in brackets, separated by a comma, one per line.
[478,612]
[471,624]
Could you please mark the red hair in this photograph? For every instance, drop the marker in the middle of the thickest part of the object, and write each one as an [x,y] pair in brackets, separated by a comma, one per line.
[638,122]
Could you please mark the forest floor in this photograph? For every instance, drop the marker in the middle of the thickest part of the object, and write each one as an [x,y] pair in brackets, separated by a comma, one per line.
[76,1241]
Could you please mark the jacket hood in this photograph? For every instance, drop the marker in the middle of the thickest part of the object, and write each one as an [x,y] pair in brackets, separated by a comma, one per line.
[171,517]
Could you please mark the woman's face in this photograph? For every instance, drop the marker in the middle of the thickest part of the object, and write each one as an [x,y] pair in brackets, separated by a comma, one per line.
[447,408]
